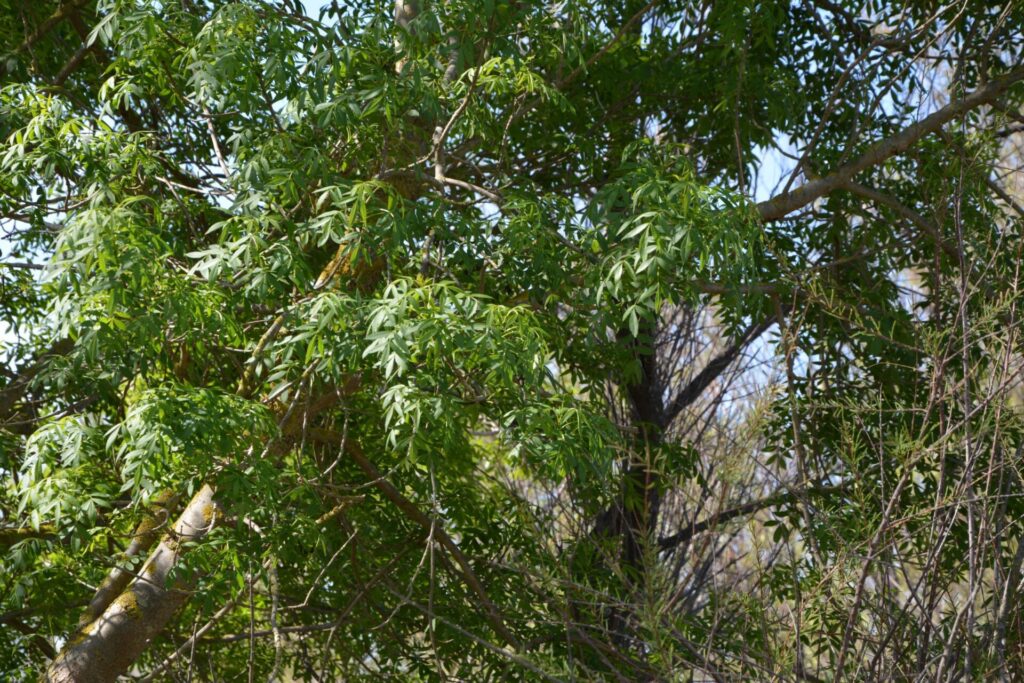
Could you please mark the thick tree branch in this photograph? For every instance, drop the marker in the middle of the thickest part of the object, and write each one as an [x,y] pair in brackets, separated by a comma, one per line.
[108,646]
[145,535]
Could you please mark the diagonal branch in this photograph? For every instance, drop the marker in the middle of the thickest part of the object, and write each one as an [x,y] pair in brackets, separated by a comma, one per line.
[105,648]
[684,535]
[782,205]
[623,30]
[562,83]
[37,641]
[906,212]
[692,391]
[146,534]
[64,11]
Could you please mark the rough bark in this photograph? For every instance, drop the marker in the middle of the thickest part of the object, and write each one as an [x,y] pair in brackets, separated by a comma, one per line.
[106,647]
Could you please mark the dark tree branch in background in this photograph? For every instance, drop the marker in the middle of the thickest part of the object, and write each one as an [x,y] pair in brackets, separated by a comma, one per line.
[623,30]
[696,386]
[38,642]
[64,11]
[864,35]
[21,265]
[12,535]
[904,211]
[781,498]
[11,394]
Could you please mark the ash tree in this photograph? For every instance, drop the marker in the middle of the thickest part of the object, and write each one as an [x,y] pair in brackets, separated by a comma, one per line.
[510,340]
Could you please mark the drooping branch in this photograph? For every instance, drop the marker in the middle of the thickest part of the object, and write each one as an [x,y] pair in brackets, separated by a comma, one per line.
[37,641]
[410,510]
[782,205]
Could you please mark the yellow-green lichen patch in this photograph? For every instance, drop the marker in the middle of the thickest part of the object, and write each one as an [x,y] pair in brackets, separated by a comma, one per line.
[146,526]
[129,604]
[81,635]
[209,513]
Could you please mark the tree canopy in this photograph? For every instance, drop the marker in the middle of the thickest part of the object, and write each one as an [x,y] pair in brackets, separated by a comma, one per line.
[469,340]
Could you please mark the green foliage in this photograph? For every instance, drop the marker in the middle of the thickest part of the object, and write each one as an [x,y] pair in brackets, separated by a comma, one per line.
[476,327]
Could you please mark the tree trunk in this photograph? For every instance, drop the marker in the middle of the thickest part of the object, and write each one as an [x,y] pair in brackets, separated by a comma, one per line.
[106,647]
